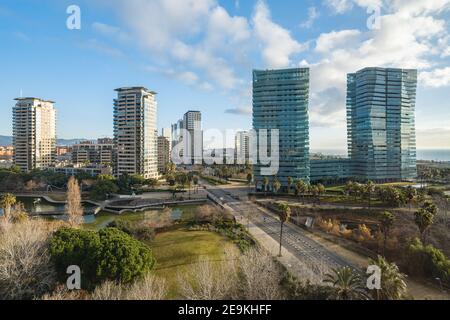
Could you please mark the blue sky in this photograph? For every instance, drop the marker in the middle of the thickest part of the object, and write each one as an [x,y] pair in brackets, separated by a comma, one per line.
[199,54]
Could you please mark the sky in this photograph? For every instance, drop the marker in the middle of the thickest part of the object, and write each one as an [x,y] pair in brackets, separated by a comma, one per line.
[199,54]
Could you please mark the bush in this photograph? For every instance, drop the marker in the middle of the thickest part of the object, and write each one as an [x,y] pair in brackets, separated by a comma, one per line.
[236,233]
[298,290]
[428,261]
[26,271]
[109,254]
[139,232]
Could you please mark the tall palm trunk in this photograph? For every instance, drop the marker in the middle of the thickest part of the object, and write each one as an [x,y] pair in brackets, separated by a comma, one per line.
[281,239]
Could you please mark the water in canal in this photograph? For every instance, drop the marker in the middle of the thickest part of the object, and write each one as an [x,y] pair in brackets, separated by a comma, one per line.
[102,219]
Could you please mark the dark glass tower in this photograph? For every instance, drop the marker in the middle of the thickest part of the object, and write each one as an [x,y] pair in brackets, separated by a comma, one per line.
[280,101]
[381,124]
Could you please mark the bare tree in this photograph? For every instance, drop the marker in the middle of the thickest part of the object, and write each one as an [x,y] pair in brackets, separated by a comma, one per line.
[26,271]
[261,276]
[148,288]
[73,207]
[108,290]
[210,280]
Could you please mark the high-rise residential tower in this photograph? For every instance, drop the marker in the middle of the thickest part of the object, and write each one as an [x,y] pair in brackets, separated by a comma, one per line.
[135,132]
[242,147]
[381,124]
[192,123]
[34,133]
[163,154]
[280,101]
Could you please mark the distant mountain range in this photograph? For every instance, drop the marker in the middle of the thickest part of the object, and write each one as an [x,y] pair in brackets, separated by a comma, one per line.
[7,141]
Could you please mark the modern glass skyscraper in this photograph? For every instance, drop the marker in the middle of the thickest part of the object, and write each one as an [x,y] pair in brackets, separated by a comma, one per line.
[135,132]
[381,123]
[280,101]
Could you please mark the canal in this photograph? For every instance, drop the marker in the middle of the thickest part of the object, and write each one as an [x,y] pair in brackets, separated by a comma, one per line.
[102,219]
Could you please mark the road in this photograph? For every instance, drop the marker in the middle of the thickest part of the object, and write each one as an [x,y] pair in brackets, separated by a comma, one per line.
[295,240]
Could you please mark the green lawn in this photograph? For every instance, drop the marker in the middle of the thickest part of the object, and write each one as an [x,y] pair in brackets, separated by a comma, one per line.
[103,219]
[176,251]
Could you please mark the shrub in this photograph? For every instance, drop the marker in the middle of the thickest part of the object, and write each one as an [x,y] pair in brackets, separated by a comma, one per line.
[138,231]
[26,271]
[428,261]
[235,232]
[109,254]
[298,290]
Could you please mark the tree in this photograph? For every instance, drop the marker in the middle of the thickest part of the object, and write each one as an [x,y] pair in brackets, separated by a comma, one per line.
[276,185]
[249,179]
[109,254]
[424,218]
[26,271]
[387,220]
[369,189]
[411,194]
[347,284]
[284,215]
[7,200]
[314,190]
[300,187]
[103,188]
[73,207]
[290,181]
[189,184]
[266,184]
[171,168]
[320,190]
[393,285]
[195,180]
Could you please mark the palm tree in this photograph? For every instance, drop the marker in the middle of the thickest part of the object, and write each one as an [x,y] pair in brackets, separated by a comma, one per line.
[347,283]
[7,200]
[424,218]
[411,194]
[314,190]
[320,190]
[284,215]
[369,188]
[393,286]
[266,185]
[290,181]
[387,220]
[300,186]
[276,185]
[249,179]
[195,180]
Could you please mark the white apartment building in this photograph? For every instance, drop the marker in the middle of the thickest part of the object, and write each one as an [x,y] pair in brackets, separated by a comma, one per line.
[34,133]
[135,132]
[242,147]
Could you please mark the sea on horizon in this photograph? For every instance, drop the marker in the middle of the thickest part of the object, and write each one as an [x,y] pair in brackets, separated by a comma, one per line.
[422,154]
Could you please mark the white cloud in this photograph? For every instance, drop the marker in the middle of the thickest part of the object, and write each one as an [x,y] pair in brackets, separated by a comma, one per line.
[435,78]
[403,41]
[336,39]
[110,31]
[278,44]
[438,138]
[240,111]
[313,15]
[340,6]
